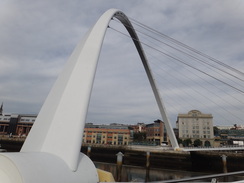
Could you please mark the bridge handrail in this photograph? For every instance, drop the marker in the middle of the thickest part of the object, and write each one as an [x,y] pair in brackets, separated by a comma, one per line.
[220,147]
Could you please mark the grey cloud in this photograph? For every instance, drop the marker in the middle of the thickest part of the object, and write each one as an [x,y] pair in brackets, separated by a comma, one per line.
[38,37]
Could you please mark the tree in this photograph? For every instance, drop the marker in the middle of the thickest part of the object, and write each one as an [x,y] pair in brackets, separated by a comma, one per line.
[216,131]
[187,142]
[179,141]
[197,143]
[207,143]
[139,136]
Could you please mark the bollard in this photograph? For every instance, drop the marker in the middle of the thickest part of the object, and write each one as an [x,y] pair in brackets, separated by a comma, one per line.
[147,179]
[119,166]
[224,163]
[89,151]
[148,160]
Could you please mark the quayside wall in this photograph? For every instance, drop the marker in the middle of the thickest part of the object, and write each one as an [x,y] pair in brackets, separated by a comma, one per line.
[200,161]
[205,161]
[138,156]
[213,161]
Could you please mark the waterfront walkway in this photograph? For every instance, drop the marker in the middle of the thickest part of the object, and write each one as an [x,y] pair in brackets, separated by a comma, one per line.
[223,148]
[183,149]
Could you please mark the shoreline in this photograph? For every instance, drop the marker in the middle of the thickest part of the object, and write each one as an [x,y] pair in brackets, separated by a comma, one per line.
[160,157]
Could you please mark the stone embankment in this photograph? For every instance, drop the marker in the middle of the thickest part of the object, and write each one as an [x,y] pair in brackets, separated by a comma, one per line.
[160,157]
[163,157]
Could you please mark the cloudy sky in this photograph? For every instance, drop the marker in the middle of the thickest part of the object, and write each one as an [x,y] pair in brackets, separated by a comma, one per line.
[37,38]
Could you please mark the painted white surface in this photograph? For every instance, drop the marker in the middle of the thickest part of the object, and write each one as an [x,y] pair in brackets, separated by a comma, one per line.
[51,152]
[8,171]
[59,126]
[5,177]
[44,167]
[68,100]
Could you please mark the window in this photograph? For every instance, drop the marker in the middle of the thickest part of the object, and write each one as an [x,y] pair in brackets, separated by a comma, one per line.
[120,139]
[99,135]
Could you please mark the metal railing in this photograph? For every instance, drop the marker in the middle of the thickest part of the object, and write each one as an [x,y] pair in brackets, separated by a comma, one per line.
[210,148]
[212,177]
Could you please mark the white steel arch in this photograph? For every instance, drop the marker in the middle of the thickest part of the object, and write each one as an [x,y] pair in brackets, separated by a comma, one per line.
[51,152]
[69,98]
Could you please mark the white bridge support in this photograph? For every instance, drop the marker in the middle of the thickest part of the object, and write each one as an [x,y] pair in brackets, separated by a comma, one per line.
[51,152]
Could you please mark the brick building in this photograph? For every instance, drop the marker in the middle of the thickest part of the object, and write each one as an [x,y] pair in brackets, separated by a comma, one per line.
[139,128]
[113,134]
[156,132]
[16,124]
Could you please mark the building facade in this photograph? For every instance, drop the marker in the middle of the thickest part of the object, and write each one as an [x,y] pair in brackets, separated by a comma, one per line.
[139,128]
[156,133]
[229,135]
[196,125]
[113,134]
[4,124]
[16,124]
[24,124]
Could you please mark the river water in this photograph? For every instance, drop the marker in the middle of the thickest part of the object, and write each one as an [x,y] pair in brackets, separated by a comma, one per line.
[140,174]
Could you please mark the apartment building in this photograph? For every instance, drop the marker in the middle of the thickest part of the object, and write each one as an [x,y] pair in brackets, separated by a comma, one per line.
[156,132]
[16,124]
[139,128]
[196,125]
[113,134]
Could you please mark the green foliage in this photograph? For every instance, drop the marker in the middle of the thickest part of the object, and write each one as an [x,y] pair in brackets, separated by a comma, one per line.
[179,141]
[216,131]
[197,143]
[187,142]
[139,136]
[207,144]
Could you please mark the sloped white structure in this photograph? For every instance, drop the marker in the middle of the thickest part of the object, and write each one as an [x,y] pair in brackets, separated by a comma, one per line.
[51,152]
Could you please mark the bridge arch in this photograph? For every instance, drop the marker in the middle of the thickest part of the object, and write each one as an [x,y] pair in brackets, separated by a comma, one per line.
[69,98]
